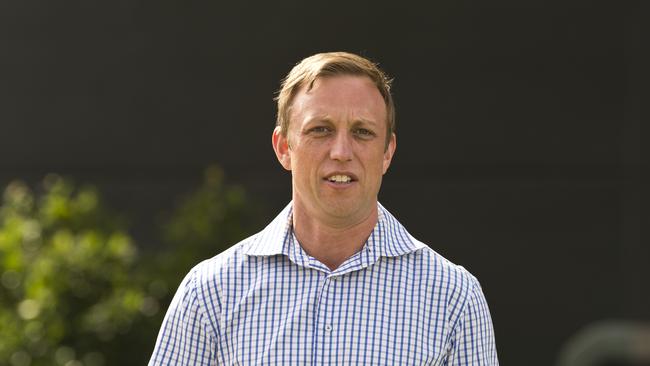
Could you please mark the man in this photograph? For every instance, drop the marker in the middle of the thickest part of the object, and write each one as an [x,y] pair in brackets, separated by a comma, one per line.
[335,279]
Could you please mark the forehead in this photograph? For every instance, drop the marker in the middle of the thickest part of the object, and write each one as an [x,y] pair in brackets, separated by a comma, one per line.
[348,96]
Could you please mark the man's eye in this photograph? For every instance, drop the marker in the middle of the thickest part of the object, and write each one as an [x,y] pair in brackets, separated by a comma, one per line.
[319,130]
[362,132]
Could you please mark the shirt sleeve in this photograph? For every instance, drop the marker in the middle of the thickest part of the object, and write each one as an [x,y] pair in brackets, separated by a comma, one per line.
[185,337]
[472,342]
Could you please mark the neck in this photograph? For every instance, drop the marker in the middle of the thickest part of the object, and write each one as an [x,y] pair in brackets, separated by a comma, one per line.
[331,243]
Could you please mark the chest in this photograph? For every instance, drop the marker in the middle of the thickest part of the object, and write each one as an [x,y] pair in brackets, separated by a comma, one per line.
[376,316]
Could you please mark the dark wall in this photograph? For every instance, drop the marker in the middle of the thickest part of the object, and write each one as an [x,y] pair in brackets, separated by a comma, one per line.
[519,128]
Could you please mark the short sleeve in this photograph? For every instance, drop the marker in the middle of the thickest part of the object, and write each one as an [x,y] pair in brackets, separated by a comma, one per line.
[472,342]
[185,337]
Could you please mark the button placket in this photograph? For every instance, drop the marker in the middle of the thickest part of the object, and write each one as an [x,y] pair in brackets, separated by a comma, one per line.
[328,301]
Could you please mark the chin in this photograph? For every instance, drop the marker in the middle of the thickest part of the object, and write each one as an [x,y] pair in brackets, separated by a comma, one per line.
[343,209]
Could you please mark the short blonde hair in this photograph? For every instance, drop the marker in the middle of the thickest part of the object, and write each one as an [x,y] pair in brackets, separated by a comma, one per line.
[332,64]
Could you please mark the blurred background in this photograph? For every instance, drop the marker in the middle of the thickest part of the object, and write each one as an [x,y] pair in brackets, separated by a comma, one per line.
[135,140]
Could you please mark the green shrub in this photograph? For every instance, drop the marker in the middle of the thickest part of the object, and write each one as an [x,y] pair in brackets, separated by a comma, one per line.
[206,222]
[66,270]
[76,290]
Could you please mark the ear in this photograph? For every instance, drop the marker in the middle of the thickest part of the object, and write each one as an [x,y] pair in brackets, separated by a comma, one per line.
[281,147]
[390,150]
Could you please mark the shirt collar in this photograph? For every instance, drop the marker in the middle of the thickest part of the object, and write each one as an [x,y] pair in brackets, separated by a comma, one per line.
[270,241]
[388,239]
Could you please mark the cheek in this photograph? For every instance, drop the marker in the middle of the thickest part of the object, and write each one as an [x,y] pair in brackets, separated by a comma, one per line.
[303,162]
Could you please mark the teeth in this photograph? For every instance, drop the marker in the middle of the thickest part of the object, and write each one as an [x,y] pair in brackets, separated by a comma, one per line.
[340,179]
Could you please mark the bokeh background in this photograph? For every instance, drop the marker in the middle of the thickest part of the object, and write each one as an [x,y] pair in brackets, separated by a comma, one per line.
[148,124]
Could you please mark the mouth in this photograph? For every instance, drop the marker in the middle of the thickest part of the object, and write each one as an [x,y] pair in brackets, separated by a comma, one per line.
[340,178]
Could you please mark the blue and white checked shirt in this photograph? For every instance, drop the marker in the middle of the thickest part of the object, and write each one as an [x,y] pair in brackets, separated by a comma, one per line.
[265,301]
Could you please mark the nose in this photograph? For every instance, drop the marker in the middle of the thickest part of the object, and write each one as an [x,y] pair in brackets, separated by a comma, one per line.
[341,148]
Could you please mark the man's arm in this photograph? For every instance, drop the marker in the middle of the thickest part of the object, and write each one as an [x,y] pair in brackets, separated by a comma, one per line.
[473,336]
[185,336]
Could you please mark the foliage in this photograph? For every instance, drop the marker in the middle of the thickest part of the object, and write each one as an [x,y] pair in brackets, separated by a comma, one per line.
[209,220]
[76,290]
[66,276]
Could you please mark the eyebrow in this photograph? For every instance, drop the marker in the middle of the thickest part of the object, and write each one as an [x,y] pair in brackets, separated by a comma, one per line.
[365,121]
[318,118]
[327,119]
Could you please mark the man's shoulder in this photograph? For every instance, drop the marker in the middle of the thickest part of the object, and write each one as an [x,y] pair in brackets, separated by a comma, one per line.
[399,242]
[230,264]
[229,260]
[436,270]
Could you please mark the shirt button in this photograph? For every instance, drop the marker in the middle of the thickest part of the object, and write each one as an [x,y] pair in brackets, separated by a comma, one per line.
[328,328]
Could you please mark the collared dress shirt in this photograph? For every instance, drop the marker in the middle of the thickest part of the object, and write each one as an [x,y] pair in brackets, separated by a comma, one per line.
[265,301]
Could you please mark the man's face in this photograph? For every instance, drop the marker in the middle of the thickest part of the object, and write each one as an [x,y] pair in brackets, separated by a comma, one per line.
[336,148]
